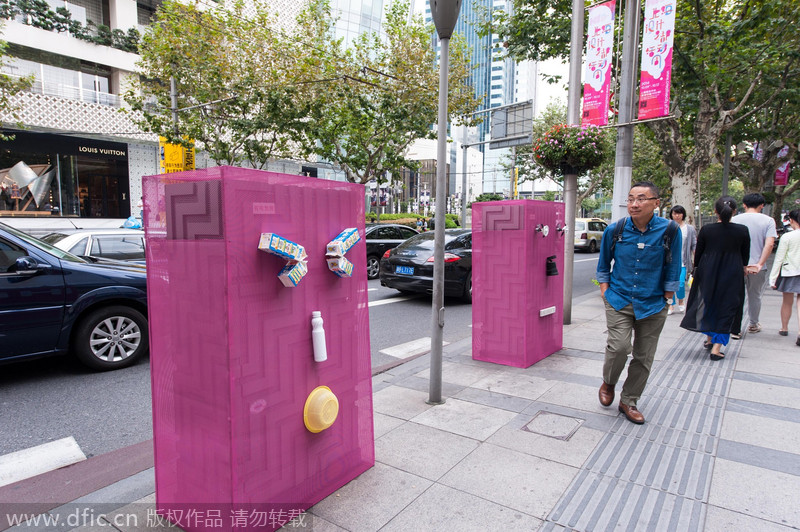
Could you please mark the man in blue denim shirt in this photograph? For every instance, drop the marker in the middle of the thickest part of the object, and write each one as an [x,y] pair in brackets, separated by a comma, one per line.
[637,292]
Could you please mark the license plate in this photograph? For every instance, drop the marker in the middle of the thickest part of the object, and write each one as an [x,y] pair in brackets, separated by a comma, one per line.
[404,270]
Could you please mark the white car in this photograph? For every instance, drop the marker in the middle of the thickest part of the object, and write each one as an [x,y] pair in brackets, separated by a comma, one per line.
[118,244]
[589,233]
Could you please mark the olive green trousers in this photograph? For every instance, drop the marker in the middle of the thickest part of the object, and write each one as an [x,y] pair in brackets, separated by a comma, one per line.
[622,324]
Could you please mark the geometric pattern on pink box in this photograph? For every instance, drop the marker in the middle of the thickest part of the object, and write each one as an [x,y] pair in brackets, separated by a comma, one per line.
[512,288]
[231,353]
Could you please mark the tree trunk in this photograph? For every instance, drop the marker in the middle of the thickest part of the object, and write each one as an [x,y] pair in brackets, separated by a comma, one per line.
[684,192]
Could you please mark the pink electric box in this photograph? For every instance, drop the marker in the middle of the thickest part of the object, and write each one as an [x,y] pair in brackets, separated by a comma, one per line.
[255,418]
[518,282]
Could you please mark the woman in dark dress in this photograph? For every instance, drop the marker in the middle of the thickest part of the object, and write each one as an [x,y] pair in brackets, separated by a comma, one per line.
[717,294]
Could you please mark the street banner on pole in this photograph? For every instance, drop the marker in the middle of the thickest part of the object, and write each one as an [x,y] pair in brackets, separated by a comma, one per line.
[599,40]
[659,31]
[782,173]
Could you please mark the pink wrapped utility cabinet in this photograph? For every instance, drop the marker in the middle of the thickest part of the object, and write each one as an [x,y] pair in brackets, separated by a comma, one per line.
[518,281]
[232,358]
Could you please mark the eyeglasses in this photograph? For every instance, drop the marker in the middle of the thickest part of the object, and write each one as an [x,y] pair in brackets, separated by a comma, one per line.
[640,199]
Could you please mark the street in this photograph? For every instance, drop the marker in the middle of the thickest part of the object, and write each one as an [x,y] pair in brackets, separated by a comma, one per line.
[53,398]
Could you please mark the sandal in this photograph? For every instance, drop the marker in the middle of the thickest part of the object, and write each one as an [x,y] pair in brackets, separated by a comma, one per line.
[720,356]
[783,333]
[708,345]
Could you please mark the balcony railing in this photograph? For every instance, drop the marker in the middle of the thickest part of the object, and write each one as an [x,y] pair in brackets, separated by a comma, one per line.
[76,93]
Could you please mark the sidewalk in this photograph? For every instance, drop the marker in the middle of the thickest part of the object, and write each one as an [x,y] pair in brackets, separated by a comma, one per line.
[532,449]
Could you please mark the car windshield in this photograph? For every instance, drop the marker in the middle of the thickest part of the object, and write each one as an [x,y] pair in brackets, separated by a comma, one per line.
[426,240]
[44,246]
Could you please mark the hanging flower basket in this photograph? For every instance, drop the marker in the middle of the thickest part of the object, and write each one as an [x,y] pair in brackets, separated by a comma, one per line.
[570,149]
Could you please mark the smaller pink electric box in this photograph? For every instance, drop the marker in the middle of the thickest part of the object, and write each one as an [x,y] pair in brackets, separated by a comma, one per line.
[518,281]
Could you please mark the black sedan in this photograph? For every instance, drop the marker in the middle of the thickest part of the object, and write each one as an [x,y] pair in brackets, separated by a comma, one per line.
[409,266]
[54,302]
[380,238]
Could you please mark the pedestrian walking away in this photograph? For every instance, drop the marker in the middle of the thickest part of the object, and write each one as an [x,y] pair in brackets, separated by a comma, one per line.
[717,294]
[762,239]
[646,251]
[689,241]
[785,274]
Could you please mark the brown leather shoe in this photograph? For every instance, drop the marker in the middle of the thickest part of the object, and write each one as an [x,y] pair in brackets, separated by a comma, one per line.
[606,394]
[633,415]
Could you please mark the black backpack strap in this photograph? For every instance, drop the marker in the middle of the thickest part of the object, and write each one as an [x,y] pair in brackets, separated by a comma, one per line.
[669,236]
[618,229]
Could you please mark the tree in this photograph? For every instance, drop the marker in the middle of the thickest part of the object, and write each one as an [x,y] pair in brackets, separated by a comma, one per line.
[387,97]
[732,62]
[241,82]
[648,165]
[10,86]
[249,92]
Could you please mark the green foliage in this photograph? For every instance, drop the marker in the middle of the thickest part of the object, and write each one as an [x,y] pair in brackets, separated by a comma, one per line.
[40,15]
[488,196]
[10,86]
[386,96]
[566,148]
[289,93]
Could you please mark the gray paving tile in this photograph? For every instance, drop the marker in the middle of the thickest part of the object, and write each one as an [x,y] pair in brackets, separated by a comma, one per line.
[383,423]
[602,422]
[516,384]
[445,509]
[758,492]
[400,402]
[578,396]
[493,399]
[761,431]
[768,367]
[423,385]
[371,500]
[421,450]
[723,520]
[780,412]
[460,374]
[466,419]
[572,452]
[526,483]
[766,379]
[759,457]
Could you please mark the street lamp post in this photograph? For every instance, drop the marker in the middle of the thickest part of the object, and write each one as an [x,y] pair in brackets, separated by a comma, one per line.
[445,16]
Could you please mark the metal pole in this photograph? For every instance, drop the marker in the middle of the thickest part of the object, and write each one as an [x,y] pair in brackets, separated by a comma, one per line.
[464,188]
[437,322]
[624,156]
[571,180]
[173,94]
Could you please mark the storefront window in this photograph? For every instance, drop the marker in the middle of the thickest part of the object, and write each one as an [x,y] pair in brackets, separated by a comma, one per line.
[65,176]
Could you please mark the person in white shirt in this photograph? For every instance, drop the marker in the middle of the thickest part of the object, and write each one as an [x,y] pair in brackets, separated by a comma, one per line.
[762,240]
[785,273]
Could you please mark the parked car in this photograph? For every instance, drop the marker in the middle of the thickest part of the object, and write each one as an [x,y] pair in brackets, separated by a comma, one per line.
[54,302]
[409,266]
[380,238]
[119,244]
[589,233]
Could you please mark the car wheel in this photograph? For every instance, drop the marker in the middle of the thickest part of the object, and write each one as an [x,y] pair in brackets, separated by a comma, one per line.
[593,246]
[111,338]
[467,296]
[373,267]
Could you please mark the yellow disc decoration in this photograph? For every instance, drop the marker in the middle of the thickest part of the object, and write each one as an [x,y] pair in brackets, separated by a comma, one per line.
[321,409]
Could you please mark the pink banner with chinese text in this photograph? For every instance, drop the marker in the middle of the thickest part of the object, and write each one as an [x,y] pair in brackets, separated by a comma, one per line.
[599,40]
[657,38]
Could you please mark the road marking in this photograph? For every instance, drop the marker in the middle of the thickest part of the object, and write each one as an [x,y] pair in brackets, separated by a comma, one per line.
[372,289]
[380,302]
[584,260]
[34,461]
[408,349]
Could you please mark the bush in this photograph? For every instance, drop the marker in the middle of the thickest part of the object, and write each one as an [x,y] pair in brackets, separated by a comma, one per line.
[565,149]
